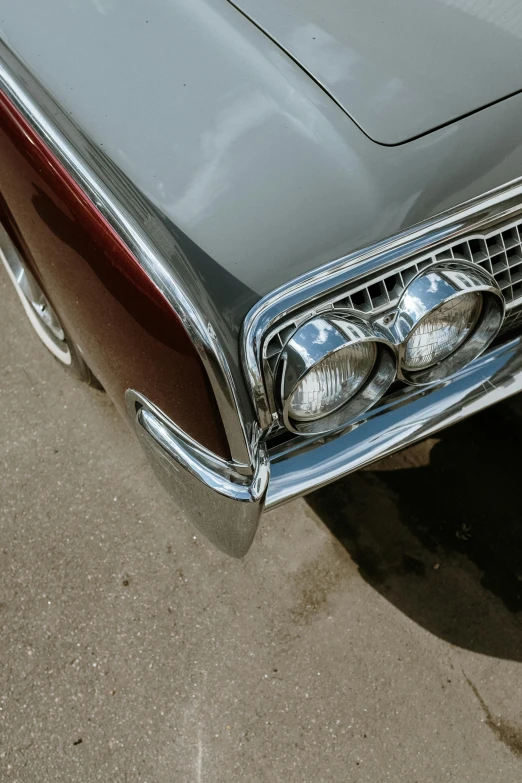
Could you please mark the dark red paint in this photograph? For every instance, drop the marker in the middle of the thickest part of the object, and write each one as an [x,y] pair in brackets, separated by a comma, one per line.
[127,331]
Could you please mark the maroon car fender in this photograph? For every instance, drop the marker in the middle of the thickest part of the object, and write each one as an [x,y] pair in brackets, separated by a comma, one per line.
[128,333]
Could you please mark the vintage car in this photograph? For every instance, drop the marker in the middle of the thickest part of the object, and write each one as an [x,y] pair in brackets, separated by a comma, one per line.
[283,235]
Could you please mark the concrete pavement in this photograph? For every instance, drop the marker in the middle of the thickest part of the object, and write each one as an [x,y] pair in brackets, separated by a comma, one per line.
[372,633]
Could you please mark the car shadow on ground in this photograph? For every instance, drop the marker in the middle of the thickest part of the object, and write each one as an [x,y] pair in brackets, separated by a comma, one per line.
[437,530]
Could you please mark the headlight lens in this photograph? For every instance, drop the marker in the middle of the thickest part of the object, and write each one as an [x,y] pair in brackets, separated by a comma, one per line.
[335,366]
[330,371]
[441,332]
[331,382]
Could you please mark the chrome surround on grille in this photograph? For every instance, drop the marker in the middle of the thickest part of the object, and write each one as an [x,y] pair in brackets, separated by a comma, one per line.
[486,231]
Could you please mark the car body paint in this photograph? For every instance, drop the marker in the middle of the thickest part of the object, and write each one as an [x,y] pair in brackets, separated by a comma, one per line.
[400,68]
[124,327]
[238,161]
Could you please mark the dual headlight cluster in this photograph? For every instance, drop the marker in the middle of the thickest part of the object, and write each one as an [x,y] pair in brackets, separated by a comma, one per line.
[337,365]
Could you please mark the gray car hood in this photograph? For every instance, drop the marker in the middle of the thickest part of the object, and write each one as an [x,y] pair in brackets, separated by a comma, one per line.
[401,68]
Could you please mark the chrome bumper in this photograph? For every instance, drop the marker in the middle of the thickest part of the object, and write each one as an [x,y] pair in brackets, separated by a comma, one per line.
[222,502]
[307,464]
[226,504]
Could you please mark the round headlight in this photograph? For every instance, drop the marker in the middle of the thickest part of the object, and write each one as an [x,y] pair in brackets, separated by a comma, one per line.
[441,332]
[331,370]
[445,318]
[332,381]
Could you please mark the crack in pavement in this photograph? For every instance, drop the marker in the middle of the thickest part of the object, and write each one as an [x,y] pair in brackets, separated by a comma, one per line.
[505,731]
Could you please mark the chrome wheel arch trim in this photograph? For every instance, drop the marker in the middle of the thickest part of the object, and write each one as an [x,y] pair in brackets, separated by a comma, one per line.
[475,215]
[28,97]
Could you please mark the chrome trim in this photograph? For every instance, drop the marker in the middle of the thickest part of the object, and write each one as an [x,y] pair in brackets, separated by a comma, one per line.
[305,464]
[306,291]
[311,343]
[433,287]
[326,333]
[224,504]
[28,97]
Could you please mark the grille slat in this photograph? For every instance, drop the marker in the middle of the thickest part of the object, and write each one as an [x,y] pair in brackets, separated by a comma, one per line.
[498,252]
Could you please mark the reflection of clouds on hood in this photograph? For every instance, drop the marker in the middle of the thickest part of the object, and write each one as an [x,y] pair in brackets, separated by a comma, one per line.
[338,63]
[505,14]
[210,179]
[103,6]
[324,53]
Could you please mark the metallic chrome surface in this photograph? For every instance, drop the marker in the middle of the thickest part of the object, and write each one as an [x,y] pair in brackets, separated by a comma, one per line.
[404,67]
[305,464]
[311,343]
[421,245]
[322,335]
[186,104]
[431,288]
[241,438]
[223,503]
[43,319]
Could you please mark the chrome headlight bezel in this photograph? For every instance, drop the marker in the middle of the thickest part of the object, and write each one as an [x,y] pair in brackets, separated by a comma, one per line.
[433,287]
[485,233]
[302,352]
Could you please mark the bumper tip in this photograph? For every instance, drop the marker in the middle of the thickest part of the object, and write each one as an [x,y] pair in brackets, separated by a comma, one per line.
[224,504]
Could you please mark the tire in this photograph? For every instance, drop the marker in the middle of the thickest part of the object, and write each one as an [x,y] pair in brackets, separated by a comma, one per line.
[41,315]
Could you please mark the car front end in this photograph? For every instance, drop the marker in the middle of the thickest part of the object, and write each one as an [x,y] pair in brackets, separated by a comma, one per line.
[335,265]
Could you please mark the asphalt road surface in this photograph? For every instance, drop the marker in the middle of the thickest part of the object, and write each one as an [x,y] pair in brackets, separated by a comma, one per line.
[373,633]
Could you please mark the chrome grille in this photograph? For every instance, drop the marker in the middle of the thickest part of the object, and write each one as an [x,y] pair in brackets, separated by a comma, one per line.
[499,253]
